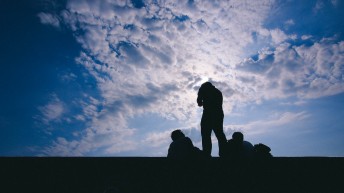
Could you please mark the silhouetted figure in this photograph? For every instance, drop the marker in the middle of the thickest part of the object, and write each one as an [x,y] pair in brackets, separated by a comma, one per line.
[262,151]
[238,148]
[182,146]
[212,119]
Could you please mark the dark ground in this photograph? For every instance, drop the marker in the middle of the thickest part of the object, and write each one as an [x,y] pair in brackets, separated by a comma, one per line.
[98,175]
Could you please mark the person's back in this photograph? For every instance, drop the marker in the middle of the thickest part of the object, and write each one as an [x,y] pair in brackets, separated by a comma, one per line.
[248,149]
[182,146]
[262,151]
[238,148]
[234,149]
[210,97]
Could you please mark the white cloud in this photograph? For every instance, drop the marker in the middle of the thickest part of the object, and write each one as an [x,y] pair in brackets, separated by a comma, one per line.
[264,126]
[68,77]
[326,61]
[289,22]
[47,18]
[303,71]
[306,37]
[278,36]
[158,51]
[156,139]
[152,60]
[51,112]
[105,131]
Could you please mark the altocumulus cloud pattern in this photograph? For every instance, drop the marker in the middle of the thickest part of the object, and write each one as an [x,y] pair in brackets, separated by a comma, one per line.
[139,64]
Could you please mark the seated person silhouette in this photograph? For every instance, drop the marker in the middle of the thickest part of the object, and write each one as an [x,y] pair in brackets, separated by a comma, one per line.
[238,148]
[262,151]
[182,146]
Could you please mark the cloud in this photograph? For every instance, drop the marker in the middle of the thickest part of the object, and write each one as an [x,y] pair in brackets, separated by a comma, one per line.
[49,19]
[150,57]
[306,37]
[278,36]
[106,130]
[289,22]
[53,111]
[289,70]
[325,64]
[271,123]
[68,77]
[157,139]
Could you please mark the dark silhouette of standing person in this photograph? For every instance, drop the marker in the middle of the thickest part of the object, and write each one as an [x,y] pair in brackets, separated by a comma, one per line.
[212,119]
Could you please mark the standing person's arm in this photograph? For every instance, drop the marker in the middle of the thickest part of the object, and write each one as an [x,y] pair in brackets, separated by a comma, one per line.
[221,99]
[200,97]
[170,151]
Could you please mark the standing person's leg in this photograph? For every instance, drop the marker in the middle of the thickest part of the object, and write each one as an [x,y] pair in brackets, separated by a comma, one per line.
[206,134]
[220,135]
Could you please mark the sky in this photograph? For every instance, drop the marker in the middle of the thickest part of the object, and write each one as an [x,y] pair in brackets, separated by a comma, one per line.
[115,77]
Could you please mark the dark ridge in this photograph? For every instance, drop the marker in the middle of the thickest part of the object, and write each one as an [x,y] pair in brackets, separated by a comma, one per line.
[142,174]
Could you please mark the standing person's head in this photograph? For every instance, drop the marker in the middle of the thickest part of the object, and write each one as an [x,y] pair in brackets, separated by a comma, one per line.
[238,136]
[176,134]
[207,85]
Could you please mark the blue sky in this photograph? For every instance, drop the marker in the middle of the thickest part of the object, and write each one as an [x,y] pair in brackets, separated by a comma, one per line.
[114,78]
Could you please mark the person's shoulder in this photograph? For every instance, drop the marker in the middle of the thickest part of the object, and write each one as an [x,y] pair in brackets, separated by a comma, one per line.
[172,144]
[230,142]
[218,91]
[247,144]
[188,140]
[182,140]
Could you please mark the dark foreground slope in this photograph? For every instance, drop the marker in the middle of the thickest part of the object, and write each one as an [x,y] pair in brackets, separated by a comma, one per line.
[97,175]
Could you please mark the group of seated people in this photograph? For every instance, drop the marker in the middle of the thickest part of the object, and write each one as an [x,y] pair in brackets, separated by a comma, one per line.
[237,147]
